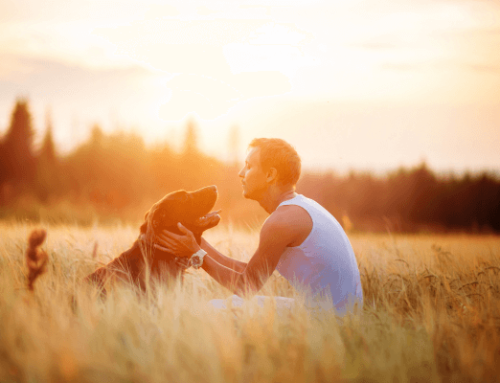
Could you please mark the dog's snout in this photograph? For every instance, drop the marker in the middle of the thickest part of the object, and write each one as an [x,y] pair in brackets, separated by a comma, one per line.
[214,188]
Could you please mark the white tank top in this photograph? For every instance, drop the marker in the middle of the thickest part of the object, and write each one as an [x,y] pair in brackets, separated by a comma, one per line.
[324,264]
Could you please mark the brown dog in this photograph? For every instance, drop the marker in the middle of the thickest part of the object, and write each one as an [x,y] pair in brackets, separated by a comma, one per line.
[189,208]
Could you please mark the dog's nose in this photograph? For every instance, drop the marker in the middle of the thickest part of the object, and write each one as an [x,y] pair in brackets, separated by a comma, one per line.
[214,188]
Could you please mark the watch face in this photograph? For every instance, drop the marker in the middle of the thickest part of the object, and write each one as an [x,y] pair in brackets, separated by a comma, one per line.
[196,261]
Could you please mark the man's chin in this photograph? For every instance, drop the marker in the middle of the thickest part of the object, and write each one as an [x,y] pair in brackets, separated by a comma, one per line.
[246,195]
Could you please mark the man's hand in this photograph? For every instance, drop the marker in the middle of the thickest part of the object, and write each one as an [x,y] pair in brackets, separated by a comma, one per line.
[179,245]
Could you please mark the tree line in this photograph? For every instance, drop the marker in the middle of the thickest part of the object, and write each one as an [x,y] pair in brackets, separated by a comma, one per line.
[116,175]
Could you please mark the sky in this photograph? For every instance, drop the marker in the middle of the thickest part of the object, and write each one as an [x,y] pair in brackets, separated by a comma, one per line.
[351,84]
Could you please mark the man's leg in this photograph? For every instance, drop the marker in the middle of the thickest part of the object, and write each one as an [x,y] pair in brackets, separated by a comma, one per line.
[221,304]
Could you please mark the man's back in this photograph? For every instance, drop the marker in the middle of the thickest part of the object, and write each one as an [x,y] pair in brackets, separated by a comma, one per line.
[324,263]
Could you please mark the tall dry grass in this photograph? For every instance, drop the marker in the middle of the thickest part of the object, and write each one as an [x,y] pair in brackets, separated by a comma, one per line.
[431,313]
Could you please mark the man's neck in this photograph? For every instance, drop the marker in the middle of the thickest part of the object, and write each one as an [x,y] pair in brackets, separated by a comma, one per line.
[271,201]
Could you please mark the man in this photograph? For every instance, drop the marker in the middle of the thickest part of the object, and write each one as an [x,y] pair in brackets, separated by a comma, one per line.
[300,239]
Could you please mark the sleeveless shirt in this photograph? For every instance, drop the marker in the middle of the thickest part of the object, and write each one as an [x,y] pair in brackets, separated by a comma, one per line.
[324,265]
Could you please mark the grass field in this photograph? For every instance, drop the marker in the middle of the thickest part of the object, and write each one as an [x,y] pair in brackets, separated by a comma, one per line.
[431,313]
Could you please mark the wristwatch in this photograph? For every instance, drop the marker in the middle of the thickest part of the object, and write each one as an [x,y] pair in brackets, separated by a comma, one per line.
[196,259]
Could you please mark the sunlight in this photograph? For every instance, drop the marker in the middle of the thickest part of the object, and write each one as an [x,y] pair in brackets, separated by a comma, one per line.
[215,60]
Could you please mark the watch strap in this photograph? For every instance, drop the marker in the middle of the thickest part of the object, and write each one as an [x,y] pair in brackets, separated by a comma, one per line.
[196,259]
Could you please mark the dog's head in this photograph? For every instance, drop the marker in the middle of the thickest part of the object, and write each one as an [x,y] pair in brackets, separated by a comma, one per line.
[192,209]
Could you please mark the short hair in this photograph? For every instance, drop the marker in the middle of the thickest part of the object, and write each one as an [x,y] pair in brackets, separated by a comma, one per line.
[279,154]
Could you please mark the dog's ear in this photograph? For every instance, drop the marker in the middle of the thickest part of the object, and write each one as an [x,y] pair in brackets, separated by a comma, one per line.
[165,213]
[169,210]
[144,226]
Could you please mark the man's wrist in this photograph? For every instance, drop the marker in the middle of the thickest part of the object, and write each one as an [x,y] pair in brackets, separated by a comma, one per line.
[196,259]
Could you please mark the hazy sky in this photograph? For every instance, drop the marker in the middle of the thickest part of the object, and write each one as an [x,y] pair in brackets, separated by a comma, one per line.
[351,84]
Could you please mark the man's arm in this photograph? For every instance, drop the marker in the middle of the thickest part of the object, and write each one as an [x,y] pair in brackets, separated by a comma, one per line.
[285,227]
[275,236]
[222,259]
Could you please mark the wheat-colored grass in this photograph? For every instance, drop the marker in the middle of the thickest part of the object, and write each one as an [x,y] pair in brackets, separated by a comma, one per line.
[431,313]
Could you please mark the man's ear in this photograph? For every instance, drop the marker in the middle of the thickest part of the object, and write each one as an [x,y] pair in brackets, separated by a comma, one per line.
[272,175]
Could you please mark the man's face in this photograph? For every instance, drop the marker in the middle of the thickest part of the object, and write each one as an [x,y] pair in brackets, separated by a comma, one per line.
[253,177]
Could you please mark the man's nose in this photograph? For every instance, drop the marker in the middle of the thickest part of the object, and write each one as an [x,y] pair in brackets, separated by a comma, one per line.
[241,173]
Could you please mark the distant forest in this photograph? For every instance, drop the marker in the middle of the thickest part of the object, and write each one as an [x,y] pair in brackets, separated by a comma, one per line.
[115,176]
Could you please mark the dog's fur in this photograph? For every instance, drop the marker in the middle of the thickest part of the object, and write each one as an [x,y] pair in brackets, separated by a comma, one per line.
[143,258]
[36,258]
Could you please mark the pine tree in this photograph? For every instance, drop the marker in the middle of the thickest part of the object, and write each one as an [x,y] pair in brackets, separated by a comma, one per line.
[18,157]
[3,167]
[190,140]
[192,166]
[96,137]
[47,178]
[48,151]
[234,143]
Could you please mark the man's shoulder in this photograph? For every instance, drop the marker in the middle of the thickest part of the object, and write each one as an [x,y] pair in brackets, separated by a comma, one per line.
[292,218]
[289,213]
[291,222]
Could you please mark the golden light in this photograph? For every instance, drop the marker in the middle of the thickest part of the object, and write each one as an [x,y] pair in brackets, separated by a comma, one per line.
[222,60]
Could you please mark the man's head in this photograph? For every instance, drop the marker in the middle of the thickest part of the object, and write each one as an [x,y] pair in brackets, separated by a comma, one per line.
[271,162]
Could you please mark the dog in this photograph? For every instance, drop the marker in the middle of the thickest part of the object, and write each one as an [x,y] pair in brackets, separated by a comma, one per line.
[145,257]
